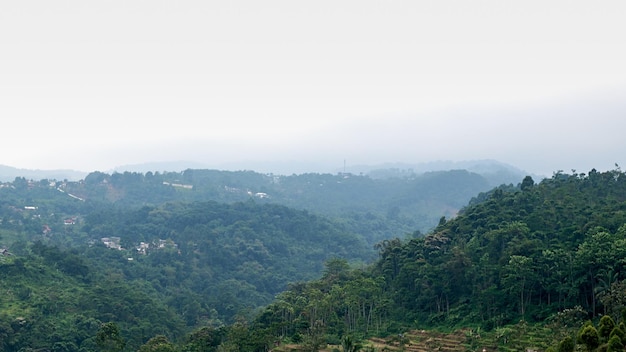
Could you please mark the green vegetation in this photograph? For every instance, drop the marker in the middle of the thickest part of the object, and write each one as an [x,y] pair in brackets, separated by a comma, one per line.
[51,306]
[377,209]
[517,255]
[216,261]
[538,265]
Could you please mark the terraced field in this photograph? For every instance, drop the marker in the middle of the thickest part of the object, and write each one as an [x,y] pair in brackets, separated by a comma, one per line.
[515,339]
[421,341]
[414,341]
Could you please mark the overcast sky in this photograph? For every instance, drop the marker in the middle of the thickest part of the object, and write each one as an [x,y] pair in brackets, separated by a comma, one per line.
[91,85]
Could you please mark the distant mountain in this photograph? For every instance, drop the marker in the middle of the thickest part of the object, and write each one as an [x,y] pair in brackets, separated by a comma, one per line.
[495,172]
[404,197]
[276,167]
[161,166]
[398,205]
[8,173]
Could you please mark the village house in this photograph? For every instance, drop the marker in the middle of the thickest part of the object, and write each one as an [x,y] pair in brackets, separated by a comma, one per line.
[112,242]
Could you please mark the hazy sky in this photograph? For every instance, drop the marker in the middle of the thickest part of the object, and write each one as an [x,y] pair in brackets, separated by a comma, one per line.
[91,85]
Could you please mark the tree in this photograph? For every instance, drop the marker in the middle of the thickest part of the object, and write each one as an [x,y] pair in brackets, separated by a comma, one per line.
[158,343]
[589,337]
[20,183]
[615,344]
[605,327]
[619,333]
[527,183]
[314,340]
[348,344]
[336,268]
[519,272]
[613,299]
[204,340]
[566,345]
[6,332]
[108,338]
[597,254]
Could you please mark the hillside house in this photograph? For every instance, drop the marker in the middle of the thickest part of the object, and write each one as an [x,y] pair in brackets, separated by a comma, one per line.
[142,248]
[112,242]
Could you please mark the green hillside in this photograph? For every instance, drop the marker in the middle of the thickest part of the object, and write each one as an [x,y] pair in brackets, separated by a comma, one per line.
[55,301]
[229,258]
[519,267]
[377,208]
[530,254]
[210,246]
[163,270]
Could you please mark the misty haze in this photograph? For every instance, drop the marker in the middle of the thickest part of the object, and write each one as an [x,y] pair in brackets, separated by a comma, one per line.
[312,176]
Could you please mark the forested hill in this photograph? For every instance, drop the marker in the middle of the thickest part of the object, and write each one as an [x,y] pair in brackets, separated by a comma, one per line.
[523,254]
[55,300]
[161,270]
[232,258]
[519,254]
[376,208]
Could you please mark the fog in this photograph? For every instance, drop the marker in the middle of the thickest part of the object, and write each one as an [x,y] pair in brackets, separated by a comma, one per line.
[308,86]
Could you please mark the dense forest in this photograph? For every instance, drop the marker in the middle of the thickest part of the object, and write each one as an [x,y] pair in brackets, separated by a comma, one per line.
[205,246]
[390,206]
[527,253]
[175,273]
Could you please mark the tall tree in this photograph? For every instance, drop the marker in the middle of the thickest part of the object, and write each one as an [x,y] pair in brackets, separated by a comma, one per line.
[108,338]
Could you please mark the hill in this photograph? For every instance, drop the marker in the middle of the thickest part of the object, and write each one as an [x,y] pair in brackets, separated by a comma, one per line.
[547,253]
[520,266]
[56,301]
[396,198]
[495,172]
[210,263]
[377,208]
[8,173]
[160,270]
[232,258]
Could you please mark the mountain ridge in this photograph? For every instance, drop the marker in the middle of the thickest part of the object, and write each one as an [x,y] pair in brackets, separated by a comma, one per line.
[390,169]
[9,173]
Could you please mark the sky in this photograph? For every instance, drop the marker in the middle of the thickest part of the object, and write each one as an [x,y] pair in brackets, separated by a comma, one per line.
[92,85]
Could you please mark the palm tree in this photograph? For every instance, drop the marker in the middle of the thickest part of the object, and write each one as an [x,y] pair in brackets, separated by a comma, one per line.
[605,283]
[348,345]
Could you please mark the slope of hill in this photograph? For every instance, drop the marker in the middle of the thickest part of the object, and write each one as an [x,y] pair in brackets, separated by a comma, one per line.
[392,207]
[8,173]
[55,301]
[211,263]
[232,258]
[495,172]
[521,254]
[160,270]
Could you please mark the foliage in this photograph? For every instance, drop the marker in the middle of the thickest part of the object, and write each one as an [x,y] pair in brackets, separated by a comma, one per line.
[530,255]
[615,344]
[44,307]
[605,327]
[205,339]
[158,343]
[589,337]
[375,208]
[349,345]
[566,345]
[238,257]
[242,275]
[617,331]
[108,338]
